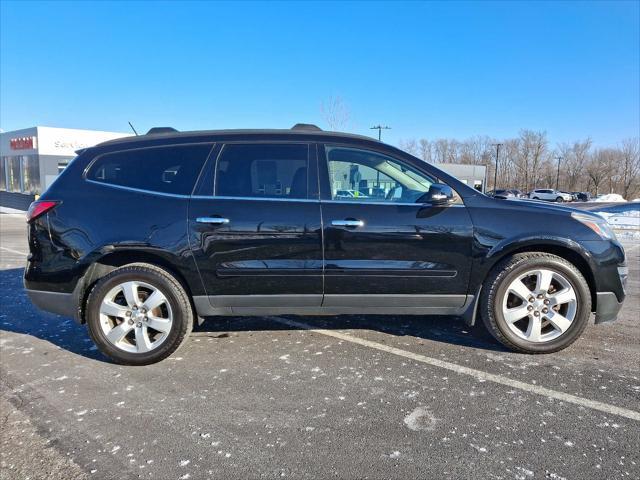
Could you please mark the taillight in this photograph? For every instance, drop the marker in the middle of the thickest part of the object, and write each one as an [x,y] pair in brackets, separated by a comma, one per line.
[39,208]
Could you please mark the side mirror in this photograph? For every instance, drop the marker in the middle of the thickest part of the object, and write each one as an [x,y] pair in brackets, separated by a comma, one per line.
[439,195]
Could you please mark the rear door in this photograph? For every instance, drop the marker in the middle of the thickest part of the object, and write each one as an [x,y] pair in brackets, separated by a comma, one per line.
[382,246]
[257,237]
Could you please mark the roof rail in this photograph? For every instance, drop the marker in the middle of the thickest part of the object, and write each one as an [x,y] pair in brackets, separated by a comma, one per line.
[159,130]
[306,126]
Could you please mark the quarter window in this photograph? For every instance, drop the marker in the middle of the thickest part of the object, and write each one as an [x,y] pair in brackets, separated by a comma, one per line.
[263,171]
[171,169]
[367,176]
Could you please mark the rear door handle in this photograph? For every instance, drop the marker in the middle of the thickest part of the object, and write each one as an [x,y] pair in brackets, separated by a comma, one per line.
[212,220]
[347,223]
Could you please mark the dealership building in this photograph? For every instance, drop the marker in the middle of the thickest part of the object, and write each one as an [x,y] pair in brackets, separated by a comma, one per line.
[31,158]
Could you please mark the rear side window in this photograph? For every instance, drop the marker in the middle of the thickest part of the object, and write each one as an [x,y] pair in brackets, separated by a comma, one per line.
[171,169]
[263,171]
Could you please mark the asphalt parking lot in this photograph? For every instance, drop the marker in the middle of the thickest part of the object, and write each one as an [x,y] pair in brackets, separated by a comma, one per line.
[335,397]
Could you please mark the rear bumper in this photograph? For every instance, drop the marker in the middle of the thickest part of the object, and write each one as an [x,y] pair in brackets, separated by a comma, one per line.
[608,307]
[59,303]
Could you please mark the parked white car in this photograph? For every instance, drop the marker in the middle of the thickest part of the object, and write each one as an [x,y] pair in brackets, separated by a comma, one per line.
[550,195]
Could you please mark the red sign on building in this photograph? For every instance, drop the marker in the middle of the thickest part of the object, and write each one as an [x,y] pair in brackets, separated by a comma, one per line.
[22,143]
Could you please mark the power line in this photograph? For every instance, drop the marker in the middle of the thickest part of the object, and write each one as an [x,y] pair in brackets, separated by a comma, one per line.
[495,176]
[559,157]
[380,128]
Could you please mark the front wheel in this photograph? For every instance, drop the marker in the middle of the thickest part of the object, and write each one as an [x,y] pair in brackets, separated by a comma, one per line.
[138,314]
[536,302]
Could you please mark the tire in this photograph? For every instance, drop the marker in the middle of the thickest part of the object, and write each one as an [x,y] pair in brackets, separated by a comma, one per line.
[141,344]
[560,200]
[515,335]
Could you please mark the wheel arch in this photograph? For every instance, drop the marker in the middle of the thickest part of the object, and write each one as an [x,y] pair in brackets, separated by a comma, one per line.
[114,259]
[563,248]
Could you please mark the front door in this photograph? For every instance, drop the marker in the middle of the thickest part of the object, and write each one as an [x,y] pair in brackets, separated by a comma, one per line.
[257,239]
[382,246]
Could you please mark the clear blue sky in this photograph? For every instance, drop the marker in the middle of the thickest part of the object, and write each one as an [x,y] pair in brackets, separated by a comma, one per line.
[426,69]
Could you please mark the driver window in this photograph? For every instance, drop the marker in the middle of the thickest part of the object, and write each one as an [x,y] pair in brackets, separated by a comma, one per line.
[361,175]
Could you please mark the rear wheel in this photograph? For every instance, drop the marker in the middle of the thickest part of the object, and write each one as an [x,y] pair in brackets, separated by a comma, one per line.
[138,314]
[536,303]
[559,199]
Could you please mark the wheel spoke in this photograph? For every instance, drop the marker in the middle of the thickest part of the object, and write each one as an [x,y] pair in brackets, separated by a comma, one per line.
[130,291]
[544,280]
[161,324]
[143,343]
[154,301]
[520,289]
[559,321]
[116,334]
[113,309]
[564,296]
[534,330]
[512,315]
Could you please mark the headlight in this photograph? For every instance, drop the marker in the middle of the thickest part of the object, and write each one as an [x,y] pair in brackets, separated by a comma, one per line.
[599,226]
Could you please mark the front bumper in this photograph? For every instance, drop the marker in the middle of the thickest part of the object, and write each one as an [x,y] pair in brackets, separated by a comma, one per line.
[608,307]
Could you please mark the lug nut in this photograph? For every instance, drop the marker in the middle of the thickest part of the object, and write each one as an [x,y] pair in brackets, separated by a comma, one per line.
[531,299]
[143,310]
[546,302]
[536,313]
[545,310]
[128,314]
[529,308]
[139,324]
[130,322]
[540,296]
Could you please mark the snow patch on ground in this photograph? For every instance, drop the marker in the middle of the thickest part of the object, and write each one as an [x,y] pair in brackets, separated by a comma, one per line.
[421,419]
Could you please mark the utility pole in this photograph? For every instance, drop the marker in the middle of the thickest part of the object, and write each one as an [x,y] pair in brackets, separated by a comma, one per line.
[380,128]
[559,157]
[495,176]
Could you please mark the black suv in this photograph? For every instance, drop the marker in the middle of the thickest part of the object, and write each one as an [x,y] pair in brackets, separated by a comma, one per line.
[139,237]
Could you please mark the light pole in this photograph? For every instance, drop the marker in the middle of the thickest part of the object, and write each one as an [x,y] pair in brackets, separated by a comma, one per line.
[380,128]
[559,157]
[495,175]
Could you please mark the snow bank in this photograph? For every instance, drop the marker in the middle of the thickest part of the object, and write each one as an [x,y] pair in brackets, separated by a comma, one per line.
[610,197]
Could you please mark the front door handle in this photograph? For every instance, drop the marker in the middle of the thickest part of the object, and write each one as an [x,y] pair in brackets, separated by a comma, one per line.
[347,223]
[212,220]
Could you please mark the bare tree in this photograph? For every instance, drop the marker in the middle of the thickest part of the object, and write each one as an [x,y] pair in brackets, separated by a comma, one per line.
[335,113]
[409,146]
[595,168]
[425,150]
[574,160]
[526,162]
[629,166]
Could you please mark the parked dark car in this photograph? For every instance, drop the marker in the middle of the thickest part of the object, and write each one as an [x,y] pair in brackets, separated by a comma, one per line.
[501,194]
[519,193]
[582,196]
[139,237]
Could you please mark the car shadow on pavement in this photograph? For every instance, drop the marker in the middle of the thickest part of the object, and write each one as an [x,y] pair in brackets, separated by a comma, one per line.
[443,329]
[18,315]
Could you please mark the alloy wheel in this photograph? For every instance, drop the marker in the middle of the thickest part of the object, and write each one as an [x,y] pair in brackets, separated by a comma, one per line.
[135,317]
[540,305]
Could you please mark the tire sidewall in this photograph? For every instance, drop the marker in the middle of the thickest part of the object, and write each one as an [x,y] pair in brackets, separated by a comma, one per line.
[93,316]
[583,299]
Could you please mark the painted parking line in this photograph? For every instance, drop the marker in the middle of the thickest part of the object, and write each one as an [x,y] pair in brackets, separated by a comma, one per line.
[472,372]
[13,251]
